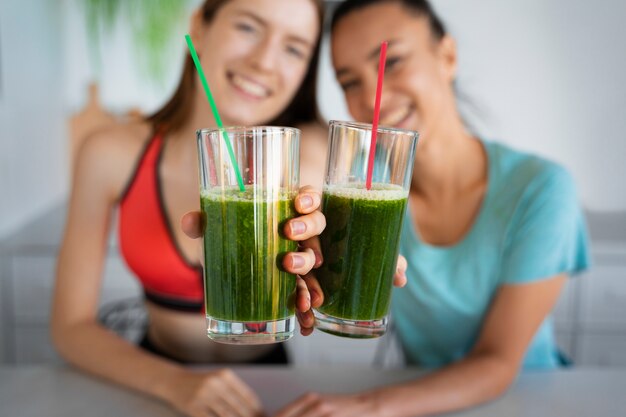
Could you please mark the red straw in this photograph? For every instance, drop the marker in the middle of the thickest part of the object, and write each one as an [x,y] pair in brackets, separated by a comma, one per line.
[379,90]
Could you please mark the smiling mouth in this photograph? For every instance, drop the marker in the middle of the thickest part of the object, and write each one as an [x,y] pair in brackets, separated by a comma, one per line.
[249,87]
[397,117]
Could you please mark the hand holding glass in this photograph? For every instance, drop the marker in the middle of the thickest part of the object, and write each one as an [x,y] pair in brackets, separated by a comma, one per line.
[249,299]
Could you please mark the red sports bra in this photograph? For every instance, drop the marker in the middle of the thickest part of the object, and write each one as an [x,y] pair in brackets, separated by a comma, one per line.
[147,241]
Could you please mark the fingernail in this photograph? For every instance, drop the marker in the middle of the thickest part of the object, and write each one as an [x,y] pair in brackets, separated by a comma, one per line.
[297,228]
[306,201]
[297,261]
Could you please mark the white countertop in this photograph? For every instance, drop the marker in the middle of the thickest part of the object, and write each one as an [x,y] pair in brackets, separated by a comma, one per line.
[49,391]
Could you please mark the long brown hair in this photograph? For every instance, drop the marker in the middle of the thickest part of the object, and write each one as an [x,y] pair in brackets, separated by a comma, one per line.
[302,109]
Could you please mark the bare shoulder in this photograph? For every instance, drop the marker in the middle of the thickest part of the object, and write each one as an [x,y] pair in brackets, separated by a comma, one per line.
[118,139]
[107,158]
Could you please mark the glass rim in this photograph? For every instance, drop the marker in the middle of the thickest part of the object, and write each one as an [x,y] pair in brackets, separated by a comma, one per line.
[380,129]
[248,129]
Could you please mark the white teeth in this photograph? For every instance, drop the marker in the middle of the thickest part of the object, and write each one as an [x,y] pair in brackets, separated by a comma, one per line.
[396,116]
[250,87]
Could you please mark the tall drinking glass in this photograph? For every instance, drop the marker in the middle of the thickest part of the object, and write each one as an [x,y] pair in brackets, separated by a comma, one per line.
[248,298]
[361,239]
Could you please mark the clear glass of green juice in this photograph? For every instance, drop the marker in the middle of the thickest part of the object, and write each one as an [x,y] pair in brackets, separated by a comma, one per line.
[249,299]
[361,239]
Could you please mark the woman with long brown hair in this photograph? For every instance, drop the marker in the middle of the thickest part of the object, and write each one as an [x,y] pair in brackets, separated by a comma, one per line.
[260,59]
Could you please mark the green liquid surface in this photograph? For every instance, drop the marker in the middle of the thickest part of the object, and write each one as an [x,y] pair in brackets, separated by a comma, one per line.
[360,248]
[243,245]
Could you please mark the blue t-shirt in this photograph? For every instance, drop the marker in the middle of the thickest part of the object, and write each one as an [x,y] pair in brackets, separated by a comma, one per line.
[530,227]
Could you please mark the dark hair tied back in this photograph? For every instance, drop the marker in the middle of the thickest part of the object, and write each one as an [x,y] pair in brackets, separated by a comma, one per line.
[418,7]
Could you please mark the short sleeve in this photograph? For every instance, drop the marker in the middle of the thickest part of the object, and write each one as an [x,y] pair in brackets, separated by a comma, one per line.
[548,234]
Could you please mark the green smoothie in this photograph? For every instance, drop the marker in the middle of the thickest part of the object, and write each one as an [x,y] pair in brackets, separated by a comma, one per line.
[360,248]
[242,281]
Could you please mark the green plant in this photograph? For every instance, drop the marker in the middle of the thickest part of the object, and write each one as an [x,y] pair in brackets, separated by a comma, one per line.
[153,25]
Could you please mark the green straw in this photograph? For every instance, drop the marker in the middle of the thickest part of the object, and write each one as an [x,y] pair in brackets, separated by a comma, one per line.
[216,115]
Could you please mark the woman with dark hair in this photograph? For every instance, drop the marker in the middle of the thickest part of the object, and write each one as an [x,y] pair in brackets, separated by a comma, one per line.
[491,233]
[260,60]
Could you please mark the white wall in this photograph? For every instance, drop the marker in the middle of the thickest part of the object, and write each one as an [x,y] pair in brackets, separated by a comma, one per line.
[45,71]
[551,77]
[123,84]
[32,147]
[547,75]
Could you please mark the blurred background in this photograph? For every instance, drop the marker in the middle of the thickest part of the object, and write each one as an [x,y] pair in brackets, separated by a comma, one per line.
[542,76]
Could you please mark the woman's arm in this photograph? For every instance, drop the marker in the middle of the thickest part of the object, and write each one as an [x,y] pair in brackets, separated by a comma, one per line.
[100,174]
[75,332]
[516,313]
